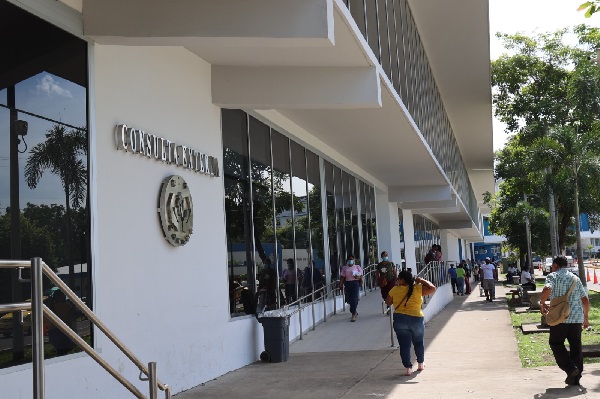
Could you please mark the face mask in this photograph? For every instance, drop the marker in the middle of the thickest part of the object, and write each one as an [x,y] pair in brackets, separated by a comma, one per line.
[385,258]
[350,262]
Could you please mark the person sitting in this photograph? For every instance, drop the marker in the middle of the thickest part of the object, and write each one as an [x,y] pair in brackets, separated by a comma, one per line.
[512,271]
[527,282]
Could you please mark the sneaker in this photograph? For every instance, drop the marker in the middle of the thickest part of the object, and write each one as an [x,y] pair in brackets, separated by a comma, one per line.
[573,377]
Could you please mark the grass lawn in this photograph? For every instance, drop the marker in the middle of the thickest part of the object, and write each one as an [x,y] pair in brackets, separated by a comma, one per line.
[534,350]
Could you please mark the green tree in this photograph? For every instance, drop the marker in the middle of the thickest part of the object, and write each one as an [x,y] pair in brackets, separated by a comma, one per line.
[63,153]
[542,86]
[579,169]
[590,8]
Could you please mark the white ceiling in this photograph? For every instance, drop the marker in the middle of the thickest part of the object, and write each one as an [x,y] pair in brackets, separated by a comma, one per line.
[381,140]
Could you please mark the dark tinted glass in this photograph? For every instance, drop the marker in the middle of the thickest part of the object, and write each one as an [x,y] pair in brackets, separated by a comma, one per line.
[43,173]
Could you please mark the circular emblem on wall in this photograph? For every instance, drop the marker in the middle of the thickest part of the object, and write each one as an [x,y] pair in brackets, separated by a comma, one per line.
[175,210]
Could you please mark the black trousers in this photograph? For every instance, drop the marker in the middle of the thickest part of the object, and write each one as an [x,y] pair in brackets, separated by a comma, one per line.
[567,359]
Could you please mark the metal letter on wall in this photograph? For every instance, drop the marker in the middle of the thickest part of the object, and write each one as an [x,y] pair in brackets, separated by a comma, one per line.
[176,210]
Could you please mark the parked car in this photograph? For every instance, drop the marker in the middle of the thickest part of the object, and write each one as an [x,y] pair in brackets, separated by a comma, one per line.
[571,265]
[537,262]
[547,266]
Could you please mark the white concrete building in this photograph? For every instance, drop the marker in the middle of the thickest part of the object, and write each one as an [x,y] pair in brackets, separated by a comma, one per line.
[378,110]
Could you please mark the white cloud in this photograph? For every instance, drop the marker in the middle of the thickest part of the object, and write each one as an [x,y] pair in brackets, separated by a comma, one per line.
[49,86]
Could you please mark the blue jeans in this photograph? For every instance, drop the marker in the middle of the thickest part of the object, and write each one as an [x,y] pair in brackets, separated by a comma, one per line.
[460,285]
[351,288]
[453,283]
[410,329]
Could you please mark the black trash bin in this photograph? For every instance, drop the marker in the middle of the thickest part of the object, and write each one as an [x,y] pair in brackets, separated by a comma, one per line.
[277,339]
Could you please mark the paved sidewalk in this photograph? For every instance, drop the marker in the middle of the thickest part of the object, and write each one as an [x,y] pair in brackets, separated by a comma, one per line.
[470,352]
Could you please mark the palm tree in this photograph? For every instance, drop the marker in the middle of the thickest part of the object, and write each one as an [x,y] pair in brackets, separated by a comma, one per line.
[575,160]
[63,154]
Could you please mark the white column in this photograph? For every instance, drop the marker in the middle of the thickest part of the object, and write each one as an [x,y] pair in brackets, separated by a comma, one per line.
[409,239]
[449,243]
[388,227]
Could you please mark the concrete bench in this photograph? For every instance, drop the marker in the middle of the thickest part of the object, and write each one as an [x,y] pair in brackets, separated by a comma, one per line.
[591,350]
[516,296]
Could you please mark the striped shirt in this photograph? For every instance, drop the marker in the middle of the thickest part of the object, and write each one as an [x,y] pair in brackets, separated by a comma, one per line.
[560,282]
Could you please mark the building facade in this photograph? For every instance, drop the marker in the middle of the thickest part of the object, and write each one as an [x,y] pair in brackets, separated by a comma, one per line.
[169,162]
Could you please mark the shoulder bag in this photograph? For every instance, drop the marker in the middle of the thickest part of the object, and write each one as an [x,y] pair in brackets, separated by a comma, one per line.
[559,308]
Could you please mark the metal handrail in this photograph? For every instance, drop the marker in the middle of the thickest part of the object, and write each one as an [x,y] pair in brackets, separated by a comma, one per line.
[39,310]
[300,304]
[436,273]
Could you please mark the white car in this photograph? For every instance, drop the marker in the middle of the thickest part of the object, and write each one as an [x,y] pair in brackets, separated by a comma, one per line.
[547,266]
[571,266]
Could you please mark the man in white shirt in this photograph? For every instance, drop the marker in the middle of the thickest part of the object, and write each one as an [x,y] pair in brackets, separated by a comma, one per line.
[527,281]
[489,274]
[512,271]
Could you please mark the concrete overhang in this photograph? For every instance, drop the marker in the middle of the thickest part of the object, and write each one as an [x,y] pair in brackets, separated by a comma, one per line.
[459,55]
[306,62]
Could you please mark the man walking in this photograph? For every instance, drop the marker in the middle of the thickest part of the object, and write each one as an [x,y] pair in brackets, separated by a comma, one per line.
[386,275]
[489,275]
[557,284]
[452,274]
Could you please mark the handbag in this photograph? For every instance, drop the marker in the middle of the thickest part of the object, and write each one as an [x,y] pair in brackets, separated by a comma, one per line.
[383,282]
[559,308]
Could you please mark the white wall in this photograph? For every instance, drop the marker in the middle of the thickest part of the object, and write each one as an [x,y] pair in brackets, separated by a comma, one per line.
[449,243]
[388,223]
[442,297]
[167,304]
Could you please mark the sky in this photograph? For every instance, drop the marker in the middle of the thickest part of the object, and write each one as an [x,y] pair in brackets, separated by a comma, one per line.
[530,16]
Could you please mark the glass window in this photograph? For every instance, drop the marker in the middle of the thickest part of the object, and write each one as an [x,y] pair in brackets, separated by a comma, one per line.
[283,209]
[263,215]
[375,250]
[274,218]
[44,192]
[240,268]
[334,253]
[316,221]
[301,229]
[363,219]
[340,219]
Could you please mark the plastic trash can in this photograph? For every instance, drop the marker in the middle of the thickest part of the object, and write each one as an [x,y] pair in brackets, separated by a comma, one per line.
[277,339]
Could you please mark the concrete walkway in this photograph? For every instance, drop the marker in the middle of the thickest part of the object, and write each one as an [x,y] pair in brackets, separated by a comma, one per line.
[470,352]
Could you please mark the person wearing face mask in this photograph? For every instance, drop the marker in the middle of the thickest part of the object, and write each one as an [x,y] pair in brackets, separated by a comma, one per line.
[386,275]
[350,282]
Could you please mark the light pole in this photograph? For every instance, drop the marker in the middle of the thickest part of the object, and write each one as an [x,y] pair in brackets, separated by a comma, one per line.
[528,236]
[552,210]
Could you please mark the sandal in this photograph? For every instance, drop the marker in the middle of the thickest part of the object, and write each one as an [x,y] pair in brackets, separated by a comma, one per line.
[408,372]
[421,367]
